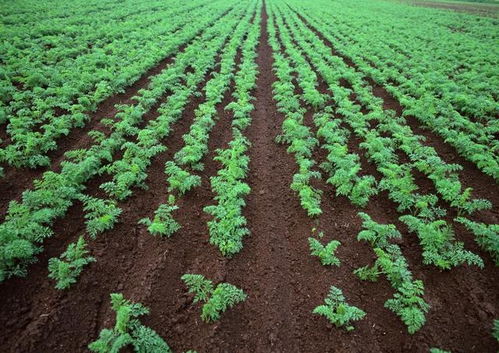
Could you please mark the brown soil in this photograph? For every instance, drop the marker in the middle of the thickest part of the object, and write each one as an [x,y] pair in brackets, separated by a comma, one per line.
[489,10]
[283,281]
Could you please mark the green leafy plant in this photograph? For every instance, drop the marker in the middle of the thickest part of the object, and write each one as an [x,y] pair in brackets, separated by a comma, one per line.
[438,350]
[409,305]
[101,215]
[179,179]
[324,252]
[66,269]
[486,235]
[216,300]
[128,331]
[337,311]
[163,223]
[464,202]
[228,226]
[376,234]
[408,302]
[495,330]
[439,247]
[199,286]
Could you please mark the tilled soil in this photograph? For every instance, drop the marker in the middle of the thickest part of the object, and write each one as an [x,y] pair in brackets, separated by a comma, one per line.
[284,283]
[479,9]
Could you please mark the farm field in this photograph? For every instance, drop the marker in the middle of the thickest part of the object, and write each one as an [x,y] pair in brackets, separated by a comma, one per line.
[248,176]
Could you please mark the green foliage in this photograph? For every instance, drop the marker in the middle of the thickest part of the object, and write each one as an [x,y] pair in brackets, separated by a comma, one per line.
[201,287]
[378,235]
[464,202]
[35,128]
[228,226]
[297,136]
[408,304]
[439,247]
[495,330]
[438,350]
[66,269]
[390,262]
[128,331]
[216,301]
[337,311]
[179,179]
[486,235]
[101,215]
[343,167]
[163,223]
[310,198]
[224,296]
[131,170]
[324,252]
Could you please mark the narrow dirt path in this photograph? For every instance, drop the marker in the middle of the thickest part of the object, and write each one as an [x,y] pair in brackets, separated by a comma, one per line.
[264,264]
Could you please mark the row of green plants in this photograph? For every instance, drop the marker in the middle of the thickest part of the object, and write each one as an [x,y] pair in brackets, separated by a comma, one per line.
[295,133]
[129,331]
[443,175]
[291,67]
[228,225]
[424,158]
[100,215]
[196,140]
[435,235]
[452,74]
[131,170]
[342,168]
[407,302]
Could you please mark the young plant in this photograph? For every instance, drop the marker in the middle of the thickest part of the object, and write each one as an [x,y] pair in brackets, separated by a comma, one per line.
[409,305]
[495,330]
[67,269]
[216,301]
[128,331]
[486,235]
[163,223]
[199,286]
[325,253]
[179,179]
[376,234]
[101,215]
[408,302]
[337,311]
[439,247]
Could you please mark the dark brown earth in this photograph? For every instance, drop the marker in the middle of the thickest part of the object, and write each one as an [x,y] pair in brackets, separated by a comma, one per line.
[283,281]
[489,10]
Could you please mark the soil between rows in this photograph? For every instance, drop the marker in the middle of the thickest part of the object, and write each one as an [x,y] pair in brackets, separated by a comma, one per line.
[283,281]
